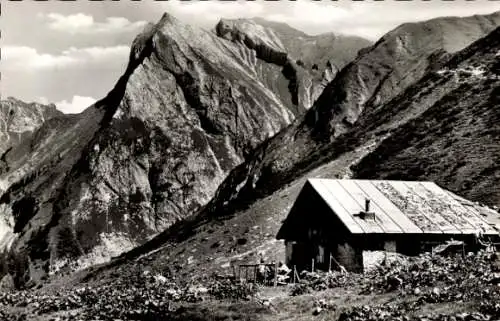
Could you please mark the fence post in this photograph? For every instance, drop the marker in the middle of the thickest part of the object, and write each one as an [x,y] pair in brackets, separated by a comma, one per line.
[330,263]
[312,265]
[294,271]
[275,274]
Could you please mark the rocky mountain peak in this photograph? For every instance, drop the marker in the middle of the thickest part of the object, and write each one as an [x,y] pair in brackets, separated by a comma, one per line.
[249,32]
[307,60]
[450,33]
[18,118]
[167,18]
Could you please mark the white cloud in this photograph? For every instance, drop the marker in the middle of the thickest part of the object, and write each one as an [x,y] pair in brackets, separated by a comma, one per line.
[309,16]
[76,105]
[42,100]
[207,13]
[346,17]
[311,13]
[27,58]
[21,57]
[97,54]
[363,18]
[84,24]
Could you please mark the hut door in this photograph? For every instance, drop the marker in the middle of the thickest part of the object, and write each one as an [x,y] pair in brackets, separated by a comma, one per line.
[298,255]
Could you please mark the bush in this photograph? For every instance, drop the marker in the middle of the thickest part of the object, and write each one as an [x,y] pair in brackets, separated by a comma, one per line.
[300,289]
[232,290]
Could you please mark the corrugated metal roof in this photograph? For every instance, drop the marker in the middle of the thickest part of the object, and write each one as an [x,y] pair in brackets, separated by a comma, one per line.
[400,207]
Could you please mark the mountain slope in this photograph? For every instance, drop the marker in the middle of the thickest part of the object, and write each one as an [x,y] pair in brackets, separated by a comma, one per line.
[455,143]
[318,50]
[18,118]
[431,117]
[190,107]
[312,60]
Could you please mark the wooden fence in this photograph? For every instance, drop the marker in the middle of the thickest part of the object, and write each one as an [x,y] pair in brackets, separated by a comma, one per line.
[250,272]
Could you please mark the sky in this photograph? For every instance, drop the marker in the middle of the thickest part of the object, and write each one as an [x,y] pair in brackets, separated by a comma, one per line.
[72,53]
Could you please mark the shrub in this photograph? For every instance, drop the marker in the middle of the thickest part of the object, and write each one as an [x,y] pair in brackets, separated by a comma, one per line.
[300,289]
[227,289]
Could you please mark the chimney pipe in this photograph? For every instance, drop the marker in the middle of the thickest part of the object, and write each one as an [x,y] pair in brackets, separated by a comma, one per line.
[367,205]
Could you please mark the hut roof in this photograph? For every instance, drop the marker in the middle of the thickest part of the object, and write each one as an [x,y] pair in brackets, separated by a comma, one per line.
[401,207]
